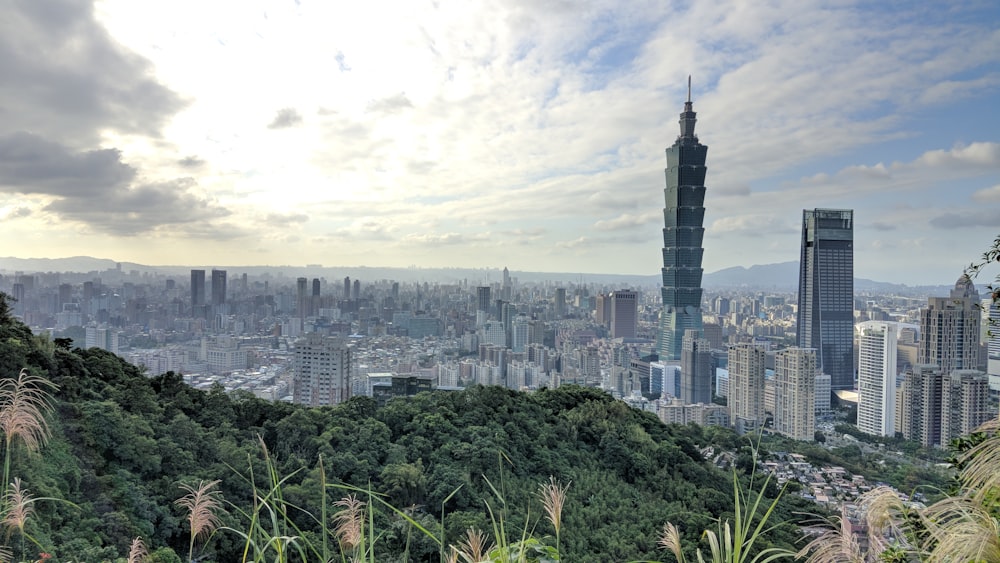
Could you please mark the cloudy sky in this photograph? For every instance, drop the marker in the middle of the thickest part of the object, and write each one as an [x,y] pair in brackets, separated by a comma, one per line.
[468,133]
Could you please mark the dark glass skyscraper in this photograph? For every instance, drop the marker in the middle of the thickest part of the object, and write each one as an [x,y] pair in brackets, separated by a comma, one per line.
[197,289]
[826,292]
[683,217]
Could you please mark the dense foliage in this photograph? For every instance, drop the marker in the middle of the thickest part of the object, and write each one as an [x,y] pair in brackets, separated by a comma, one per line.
[123,444]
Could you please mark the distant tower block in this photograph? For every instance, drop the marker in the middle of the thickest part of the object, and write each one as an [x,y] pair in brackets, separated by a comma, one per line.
[826,292]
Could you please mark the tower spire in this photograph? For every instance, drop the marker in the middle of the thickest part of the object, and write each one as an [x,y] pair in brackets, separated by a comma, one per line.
[689,89]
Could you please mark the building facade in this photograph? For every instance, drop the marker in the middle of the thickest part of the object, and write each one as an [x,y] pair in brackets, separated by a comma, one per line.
[683,233]
[696,369]
[949,329]
[747,365]
[877,378]
[624,313]
[322,373]
[826,292]
[795,393]
[964,403]
[921,417]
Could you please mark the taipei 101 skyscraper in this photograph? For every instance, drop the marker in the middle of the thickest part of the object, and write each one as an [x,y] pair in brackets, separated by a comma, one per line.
[683,217]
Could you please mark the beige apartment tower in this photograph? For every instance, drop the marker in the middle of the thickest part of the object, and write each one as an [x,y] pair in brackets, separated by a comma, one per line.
[964,403]
[747,364]
[322,373]
[795,393]
[949,329]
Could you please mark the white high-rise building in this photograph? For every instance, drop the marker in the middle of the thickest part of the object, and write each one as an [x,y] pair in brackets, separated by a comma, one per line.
[493,333]
[322,371]
[877,378]
[993,348]
[795,393]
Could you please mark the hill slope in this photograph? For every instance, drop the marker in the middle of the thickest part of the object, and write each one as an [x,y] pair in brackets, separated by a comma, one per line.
[122,443]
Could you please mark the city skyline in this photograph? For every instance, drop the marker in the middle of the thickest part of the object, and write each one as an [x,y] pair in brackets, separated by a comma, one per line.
[478,135]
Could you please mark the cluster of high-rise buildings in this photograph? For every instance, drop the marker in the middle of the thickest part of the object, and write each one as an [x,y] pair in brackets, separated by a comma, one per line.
[942,396]
[741,359]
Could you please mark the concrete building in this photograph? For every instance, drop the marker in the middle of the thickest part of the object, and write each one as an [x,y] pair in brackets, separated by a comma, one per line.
[921,419]
[322,371]
[993,348]
[949,329]
[218,288]
[683,233]
[197,289]
[696,369]
[795,393]
[624,313]
[826,292]
[746,386]
[877,378]
[964,403]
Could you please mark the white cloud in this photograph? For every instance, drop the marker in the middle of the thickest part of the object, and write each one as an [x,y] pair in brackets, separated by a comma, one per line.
[427,124]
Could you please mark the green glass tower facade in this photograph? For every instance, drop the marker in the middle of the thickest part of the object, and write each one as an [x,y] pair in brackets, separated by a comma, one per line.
[683,232]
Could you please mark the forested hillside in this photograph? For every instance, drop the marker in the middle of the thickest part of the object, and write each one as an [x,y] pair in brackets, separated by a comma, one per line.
[122,444]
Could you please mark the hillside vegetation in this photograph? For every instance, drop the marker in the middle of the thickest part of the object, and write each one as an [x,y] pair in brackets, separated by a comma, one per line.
[123,444]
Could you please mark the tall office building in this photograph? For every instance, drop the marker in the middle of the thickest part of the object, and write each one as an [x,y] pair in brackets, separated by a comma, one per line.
[322,371]
[795,393]
[218,288]
[747,365]
[347,288]
[683,217]
[877,378]
[519,334]
[197,288]
[624,313]
[696,369]
[301,299]
[483,299]
[560,302]
[949,329]
[356,290]
[826,292]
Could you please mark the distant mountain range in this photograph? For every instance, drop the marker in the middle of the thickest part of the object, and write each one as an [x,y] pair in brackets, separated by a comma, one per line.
[781,277]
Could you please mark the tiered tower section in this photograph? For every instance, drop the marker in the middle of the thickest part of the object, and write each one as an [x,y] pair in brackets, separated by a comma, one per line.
[683,232]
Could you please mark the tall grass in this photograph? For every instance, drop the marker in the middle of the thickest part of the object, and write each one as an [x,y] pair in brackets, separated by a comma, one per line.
[25,402]
[203,504]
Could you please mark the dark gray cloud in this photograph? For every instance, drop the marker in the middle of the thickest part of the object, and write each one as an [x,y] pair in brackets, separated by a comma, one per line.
[97,188]
[392,104]
[286,117]
[30,164]
[140,209]
[191,162]
[65,77]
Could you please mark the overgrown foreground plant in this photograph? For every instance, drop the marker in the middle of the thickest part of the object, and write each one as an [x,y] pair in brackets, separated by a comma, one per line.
[734,544]
[25,402]
[964,526]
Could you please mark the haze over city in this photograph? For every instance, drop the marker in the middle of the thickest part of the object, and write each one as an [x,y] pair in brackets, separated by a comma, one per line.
[483,134]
